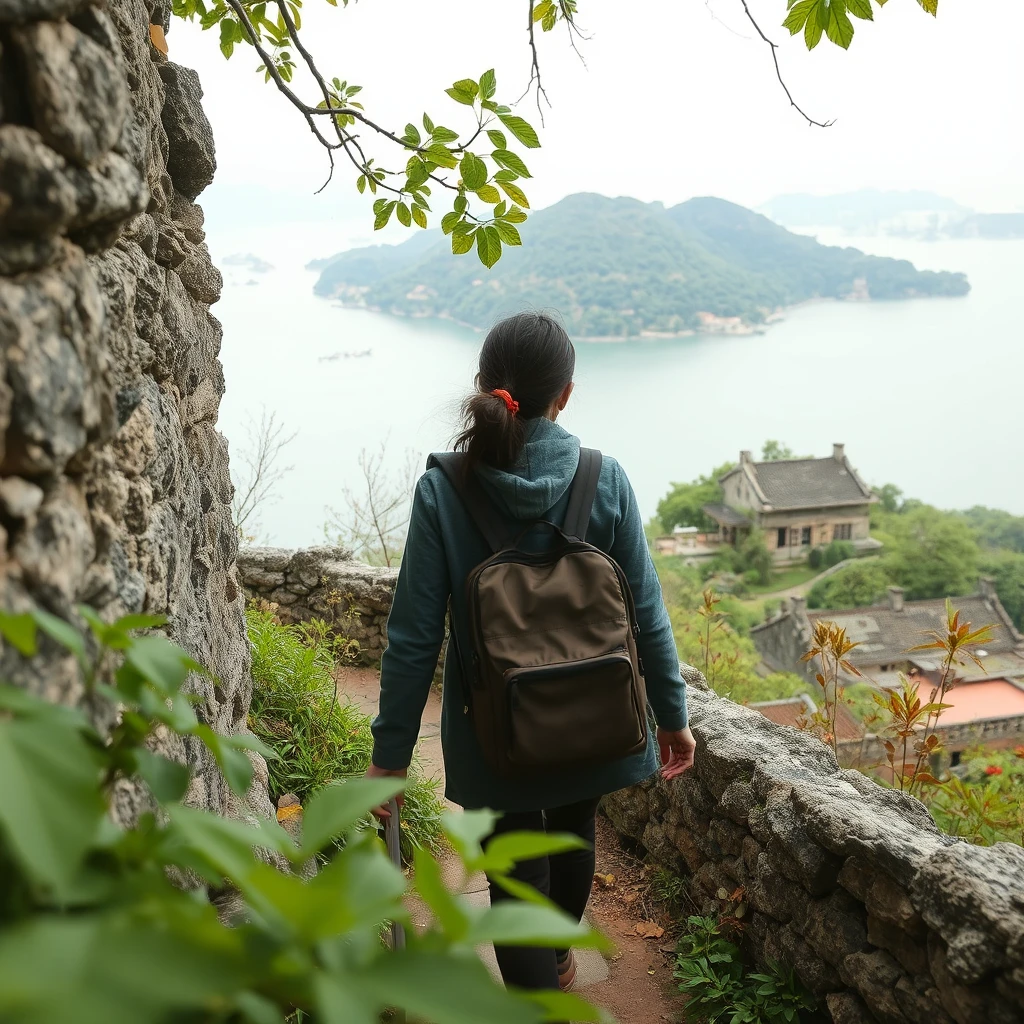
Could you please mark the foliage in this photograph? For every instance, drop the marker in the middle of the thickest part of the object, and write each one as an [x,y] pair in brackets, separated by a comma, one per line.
[83,890]
[620,267]
[830,645]
[832,18]
[983,801]
[856,585]
[722,990]
[774,451]
[933,554]
[319,739]
[889,497]
[996,529]
[668,889]
[816,558]
[1007,572]
[757,559]
[838,551]
[684,503]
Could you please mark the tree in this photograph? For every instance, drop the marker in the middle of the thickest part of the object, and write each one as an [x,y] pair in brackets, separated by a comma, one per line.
[775,451]
[756,556]
[934,555]
[684,503]
[889,497]
[486,176]
[375,522]
[260,475]
[1007,571]
[853,586]
[995,528]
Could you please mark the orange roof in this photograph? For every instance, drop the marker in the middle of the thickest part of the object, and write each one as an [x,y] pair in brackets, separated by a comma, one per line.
[974,702]
[796,712]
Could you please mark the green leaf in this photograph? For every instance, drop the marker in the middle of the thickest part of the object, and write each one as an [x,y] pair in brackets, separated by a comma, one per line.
[63,633]
[412,133]
[512,161]
[462,243]
[507,233]
[515,216]
[162,663]
[931,6]
[465,829]
[384,215]
[498,140]
[488,84]
[361,183]
[489,194]
[488,246]
[503,852]
[428,125]
[442,156]
[798,15]
[419,216]
[464,91]
[167,780]
[514,923]
[237,768]
[452,917]
[227,37]
[257,1009]
[860,9]
[473,171]
[460,204]
[449,220]
[521,129]
[840,28]
[567,1006]
[466,85]
[50,801]
[814,28]
[20,632]
[404,215]
[515,193]
[443,135]
[337,807]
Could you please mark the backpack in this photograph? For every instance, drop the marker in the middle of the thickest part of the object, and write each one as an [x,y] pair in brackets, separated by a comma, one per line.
[554,680]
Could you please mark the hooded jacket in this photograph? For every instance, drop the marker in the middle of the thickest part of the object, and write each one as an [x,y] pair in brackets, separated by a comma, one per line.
[443,546]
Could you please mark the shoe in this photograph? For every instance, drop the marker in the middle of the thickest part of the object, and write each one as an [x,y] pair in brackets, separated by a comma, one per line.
[566,971]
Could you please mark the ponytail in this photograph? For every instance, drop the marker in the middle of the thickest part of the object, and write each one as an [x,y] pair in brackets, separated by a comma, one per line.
[526,362]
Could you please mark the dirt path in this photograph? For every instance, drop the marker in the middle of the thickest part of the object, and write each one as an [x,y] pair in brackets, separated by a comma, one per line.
[635,982]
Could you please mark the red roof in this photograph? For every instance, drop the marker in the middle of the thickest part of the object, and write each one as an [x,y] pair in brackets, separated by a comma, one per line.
[795,712]
[974,702]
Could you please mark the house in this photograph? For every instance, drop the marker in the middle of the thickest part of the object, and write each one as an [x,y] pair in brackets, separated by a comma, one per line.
[798,504]
[987,701]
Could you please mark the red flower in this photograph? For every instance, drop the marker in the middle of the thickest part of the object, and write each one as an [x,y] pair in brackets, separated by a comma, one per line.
[993,769]
[1019,751]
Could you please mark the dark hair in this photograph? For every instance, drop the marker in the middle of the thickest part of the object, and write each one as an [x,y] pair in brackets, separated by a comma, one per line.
[530,356]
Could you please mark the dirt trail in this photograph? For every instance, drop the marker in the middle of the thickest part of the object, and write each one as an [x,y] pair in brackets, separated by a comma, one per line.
[635,983]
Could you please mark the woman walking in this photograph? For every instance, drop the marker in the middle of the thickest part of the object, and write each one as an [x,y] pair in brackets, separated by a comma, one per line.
[558,629]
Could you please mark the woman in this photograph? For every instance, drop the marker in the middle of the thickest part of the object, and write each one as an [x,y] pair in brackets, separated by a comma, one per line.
[525,462]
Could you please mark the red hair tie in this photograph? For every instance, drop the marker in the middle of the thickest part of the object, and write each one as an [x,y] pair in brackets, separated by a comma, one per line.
[510,403]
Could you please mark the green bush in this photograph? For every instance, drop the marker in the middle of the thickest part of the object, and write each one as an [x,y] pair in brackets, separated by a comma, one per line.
[857,585]
[93,929]
[838,551]
[320,737]
[721,988]
[816,558]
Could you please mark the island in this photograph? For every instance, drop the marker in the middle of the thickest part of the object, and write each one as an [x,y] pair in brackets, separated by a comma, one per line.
[618,268]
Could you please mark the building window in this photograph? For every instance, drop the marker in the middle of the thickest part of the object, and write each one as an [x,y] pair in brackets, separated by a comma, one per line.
[805,536]
[842,531]
[780,537]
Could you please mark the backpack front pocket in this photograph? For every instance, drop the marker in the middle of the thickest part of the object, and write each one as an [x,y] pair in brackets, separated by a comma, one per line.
[573,712]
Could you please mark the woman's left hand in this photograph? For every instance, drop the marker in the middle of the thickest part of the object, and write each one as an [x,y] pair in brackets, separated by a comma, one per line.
[677,749]
[373,772]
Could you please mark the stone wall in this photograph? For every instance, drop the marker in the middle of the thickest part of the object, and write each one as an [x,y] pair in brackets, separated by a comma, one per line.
[114,486]
[885,918]
[324,583]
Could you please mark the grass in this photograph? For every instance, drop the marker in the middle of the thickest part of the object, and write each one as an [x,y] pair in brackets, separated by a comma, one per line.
[320,737]
[783,579]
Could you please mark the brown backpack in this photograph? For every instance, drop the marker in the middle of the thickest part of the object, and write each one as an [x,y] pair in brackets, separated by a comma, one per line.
[554,680]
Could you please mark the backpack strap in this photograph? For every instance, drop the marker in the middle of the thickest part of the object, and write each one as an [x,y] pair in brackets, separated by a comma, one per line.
[582,492]
[473,497]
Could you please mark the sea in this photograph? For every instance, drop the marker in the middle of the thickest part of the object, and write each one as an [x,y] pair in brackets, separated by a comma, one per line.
[924,393]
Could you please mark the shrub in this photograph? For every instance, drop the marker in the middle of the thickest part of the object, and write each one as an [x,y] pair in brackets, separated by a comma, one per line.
[93,929]
[319,737]
[722,990]
[838,551]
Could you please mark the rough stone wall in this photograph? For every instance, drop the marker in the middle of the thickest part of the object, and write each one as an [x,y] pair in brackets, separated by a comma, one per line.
[114,486]
[324,583]
[885,918]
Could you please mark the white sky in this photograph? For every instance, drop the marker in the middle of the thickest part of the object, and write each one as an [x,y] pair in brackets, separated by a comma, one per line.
[672,102]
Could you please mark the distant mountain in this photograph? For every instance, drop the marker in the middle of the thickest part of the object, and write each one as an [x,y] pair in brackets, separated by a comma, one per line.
[921,215]
[619,268]
[857,211]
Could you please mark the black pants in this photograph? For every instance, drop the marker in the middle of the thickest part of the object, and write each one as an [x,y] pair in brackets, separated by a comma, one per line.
[565,878]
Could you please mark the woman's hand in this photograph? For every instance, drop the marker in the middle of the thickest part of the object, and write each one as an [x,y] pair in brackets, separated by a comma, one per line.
[373,772]
[676,751]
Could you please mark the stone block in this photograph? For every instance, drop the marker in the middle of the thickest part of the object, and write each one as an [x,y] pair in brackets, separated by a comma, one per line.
[76,89]
[848,1008]
[911,952]
[835,927]
[785,946]
[772,893]
[35,193]
[737,800]
[874,976]
[727,836]
[191,162]
[920,1000]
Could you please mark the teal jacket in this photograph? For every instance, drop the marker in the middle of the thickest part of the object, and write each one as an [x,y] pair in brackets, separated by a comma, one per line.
[442,547]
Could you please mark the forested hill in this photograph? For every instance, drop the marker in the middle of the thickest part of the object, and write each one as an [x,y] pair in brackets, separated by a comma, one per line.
[622,268]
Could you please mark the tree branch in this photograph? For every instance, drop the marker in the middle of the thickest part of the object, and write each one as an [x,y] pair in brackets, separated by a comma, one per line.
[778,73]
[535,67]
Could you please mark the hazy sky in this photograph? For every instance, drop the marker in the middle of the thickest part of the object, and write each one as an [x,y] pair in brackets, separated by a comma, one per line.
[676,99]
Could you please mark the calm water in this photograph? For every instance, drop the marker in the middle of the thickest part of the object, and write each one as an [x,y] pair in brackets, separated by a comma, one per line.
[923,393]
